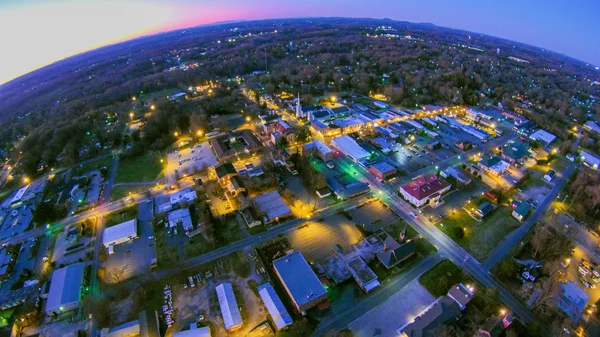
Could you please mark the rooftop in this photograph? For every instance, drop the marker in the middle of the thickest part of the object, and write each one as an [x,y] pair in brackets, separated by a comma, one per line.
[426,186]
[224,170]
[229,308]
[394,252]
[276,309]
[383,167]
[181,217]
[350,147]
[122,230]
[272,204]
[65,286]
[362,273]
[543,135]
[298,277]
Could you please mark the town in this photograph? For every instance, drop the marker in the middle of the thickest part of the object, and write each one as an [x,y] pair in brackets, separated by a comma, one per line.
[348,215]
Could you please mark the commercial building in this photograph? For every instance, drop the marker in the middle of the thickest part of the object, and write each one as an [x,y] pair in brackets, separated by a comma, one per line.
[394,253]
[193,331]
[572,300]
[229,145]
[300,281]
[224,172]
[232,319]
[349,147]
[276,309]
[271,206]
[457,174]
[181,217]
[441,311]
[17,197]
[121,233]
[515,152]
[425,189]
[147,325]
[493,165]
[65,289]
[383,145]
[346,187]
[184,195]
[320,149]
[364,276]
[382,170]
[543,136]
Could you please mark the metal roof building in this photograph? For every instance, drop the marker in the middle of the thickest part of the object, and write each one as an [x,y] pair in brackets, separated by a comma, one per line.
[120,233]
[300,281]
[276,309]
[232,319]
[350,148]
[543,136]
[272,205]
[65,288]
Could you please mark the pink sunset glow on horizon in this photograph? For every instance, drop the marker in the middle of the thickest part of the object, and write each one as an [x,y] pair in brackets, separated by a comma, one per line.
[35,33]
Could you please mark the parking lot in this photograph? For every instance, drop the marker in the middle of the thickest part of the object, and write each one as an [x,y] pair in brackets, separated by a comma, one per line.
[25,260]
[190,160]
[134,257]
[316,239]
[387,317]
[374,215]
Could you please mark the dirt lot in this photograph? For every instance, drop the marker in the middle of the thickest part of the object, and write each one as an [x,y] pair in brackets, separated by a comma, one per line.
[202,300]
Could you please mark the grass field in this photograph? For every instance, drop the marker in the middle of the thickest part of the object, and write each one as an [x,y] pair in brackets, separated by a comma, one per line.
[95,164]
[118,192]
[143,168]
[480,238]
[123,215]
[156,95]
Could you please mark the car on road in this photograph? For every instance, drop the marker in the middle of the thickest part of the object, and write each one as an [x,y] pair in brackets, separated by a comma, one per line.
[151,237]
[330,164]
[414,215]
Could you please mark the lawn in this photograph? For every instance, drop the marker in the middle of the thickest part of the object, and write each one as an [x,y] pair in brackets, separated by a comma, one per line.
[143,168]
[165,255]
[123,215]
[197,245]
[95,164]
[156,95]
[422,245]
[479,238]
[119,192]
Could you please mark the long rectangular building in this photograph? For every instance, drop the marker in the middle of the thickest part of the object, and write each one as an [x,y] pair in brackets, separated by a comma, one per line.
[300,281]
[232,319]
[349,147]
[65,289]
[276,309]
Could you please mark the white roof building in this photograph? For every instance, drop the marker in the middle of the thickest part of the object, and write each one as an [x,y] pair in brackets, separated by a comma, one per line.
[65,288]
[181,216]
[232,319]
[276,309]
[593,126]
[120,233]
[349,147]
[19,194]
[183,195]
[543,136]
[194,331]
[590,159]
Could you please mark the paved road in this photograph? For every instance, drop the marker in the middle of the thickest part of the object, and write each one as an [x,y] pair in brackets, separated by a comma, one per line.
[341,321]
[446,246]
[246,242]
[517,235]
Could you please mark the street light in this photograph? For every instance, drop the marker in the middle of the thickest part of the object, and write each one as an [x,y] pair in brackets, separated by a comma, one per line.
[26,180]
[152,107]
[199,133]
[175,133]
[248,119]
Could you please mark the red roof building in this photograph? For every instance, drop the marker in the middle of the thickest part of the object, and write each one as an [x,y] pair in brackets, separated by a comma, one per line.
[419,191]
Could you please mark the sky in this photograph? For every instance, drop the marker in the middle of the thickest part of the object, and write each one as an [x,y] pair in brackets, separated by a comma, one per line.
[35,33]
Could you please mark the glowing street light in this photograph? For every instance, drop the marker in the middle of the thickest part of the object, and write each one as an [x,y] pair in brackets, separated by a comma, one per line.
[176,134]
[199,133]
[134,98]
[248,119]
[131,114]
[26,180]
[152,107]
[333,99]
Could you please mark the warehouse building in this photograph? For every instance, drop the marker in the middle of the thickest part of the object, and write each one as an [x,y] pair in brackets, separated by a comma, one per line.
[147,325]
[543,136]
[276,309]
[232,319]
[349,147]
[65,289]
[300,281]
[121,233]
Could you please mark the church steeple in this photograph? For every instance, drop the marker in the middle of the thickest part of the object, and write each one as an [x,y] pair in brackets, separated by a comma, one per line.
[298,107]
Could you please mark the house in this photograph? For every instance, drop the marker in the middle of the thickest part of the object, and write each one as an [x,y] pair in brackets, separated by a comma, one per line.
[323,192]
[65,289]
[232,319]
[590,159]
[271,206]
[181,217]
[529,273]
[425,189]
[443,310]
[394,253]
[515,152]
[320,149]
[273,303]
[549,175]
[572,300]
[464,145]
[457,174]
[493,165]
[520,213]
[300,281]
[346,187]
[493,326]
[382,170]
[235,187]
[543,136]
[121,233]
[484,209]
[249,219]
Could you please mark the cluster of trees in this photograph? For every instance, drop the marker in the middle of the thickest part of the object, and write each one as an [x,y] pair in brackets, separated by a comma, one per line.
[585,194]
[55,107]
[311,178]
